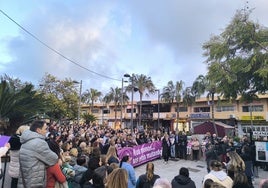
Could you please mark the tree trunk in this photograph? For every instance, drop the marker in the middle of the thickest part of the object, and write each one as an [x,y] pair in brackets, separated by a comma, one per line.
[115,114]
[140,110]
[212,114]
[177,123]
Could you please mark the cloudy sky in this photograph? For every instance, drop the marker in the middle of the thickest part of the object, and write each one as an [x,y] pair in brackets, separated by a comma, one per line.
[106,39]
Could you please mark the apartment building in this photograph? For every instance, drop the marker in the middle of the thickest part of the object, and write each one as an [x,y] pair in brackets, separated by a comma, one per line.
[165,116]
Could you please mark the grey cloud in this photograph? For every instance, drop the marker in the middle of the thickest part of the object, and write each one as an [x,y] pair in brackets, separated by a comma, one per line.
[95,33]
[81,35]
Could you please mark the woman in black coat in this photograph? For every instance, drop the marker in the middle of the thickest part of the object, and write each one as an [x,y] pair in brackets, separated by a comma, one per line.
[166,144]
[147,180]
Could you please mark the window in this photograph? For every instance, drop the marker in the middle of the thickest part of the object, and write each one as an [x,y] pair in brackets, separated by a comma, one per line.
[162,107]
[225,108]
[202,109]
[95,111]
[106,111]
[129,110]
[182,109]
[255,108]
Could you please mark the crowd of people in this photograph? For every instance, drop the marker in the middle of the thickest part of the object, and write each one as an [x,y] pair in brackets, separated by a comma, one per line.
[85,156]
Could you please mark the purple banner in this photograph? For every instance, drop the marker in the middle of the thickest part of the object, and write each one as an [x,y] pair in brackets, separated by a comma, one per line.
[142,153]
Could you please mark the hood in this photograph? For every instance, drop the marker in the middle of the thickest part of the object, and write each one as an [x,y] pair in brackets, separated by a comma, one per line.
[182,180]
[221,175]
[29,135]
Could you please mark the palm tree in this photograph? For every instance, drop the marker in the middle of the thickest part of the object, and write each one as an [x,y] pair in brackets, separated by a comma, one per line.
[172,93]
[144,85]
[91,96]
[188,97]
[201,85]
[114,95]
[17,105]
[89,118]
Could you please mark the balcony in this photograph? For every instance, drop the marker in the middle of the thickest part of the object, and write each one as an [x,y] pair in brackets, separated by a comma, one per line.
[128,115]
[164,115]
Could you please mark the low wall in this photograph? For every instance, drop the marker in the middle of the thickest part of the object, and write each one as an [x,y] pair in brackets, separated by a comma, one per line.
[142,153]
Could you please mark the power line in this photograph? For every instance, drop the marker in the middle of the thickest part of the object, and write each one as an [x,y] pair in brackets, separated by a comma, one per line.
[55,51]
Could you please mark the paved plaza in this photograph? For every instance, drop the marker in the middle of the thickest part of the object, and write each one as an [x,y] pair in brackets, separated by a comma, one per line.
[197,171]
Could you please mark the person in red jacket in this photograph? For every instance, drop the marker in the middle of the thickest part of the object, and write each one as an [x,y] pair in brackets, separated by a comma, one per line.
[54,172]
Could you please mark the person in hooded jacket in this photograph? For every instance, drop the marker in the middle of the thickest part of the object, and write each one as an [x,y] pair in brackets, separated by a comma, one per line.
[218,175]
[183,180]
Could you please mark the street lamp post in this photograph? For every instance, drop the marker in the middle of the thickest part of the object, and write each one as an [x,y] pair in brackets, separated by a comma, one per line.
[177,111]
[122,100]
[132,94]
[158,110]
[121,115]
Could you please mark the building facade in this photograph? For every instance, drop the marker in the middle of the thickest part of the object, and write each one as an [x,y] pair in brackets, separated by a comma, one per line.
[162,115]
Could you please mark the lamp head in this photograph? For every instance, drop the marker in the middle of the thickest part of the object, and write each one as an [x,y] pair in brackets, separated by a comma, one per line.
[127,75]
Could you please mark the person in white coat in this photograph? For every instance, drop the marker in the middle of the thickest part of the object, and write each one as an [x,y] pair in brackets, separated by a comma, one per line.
[14,165]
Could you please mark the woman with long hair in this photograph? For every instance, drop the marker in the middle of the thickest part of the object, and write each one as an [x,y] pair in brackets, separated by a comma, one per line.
[117,179]
[241,180]
[111,156]
[235,164]
[148,179]
[125,164]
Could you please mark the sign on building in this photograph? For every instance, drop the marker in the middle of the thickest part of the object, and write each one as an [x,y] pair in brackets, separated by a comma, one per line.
[200,116]
[261,151]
